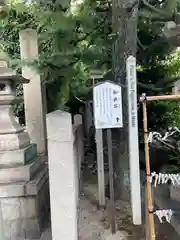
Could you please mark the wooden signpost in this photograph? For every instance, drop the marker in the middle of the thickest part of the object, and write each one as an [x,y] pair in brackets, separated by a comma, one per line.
[97,76]
[107,99]
[150,209]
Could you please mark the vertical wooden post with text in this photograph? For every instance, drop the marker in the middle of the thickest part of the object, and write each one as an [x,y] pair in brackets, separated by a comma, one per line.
[133,139]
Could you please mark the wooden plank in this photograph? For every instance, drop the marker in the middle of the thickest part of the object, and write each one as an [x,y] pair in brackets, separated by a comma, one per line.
[159,98]
[100,166]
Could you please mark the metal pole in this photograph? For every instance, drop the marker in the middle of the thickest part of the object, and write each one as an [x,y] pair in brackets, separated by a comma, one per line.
[111,180]
[148,173]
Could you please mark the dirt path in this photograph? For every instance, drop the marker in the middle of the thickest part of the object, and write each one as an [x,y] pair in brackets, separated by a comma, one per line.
[89,226]
[93,222]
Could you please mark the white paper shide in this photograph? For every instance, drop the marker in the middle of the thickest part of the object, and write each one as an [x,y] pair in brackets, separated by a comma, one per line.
[164,178]
[167,214]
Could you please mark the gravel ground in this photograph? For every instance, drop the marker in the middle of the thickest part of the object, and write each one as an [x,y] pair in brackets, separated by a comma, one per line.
[90,226]
[93,222]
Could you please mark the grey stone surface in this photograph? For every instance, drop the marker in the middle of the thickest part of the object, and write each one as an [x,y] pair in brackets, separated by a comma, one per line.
[12,135]
[17,208]
[20,173]
[34,92]
[47,235]
[22,228]
[14,141]
[175,193]
[63,175]
[107,235]
[24,215]
[18,157]
[25,188]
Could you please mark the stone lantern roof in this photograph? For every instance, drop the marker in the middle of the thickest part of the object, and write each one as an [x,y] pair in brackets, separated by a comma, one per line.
[7,73]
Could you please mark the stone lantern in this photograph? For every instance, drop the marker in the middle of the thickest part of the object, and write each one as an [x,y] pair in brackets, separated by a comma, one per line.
[23,173]
[12,135]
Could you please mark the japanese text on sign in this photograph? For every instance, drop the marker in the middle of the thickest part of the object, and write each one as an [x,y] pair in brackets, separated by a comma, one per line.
[107,105]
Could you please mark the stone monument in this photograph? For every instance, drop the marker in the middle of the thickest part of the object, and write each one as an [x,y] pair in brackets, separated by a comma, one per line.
[23,173]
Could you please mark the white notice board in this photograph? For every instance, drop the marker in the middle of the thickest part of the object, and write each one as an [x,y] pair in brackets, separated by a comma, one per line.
[107,101]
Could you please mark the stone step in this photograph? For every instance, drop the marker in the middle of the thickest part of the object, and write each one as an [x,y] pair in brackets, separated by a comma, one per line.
[17,157]
[22,189]
[21,173]
[14,141]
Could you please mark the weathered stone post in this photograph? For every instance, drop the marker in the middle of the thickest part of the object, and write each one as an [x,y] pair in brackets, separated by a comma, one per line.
[34,93]
[23,174]
[63,176]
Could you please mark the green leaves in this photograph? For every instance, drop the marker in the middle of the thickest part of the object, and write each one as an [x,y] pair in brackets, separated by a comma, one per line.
[75,39]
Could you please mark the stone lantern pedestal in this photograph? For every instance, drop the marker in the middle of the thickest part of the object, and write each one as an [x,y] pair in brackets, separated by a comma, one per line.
[23,173]
[12,135]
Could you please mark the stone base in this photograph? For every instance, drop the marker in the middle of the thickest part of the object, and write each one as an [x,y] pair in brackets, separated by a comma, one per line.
[25,207]
[16,141]
[18,157]
[21,173]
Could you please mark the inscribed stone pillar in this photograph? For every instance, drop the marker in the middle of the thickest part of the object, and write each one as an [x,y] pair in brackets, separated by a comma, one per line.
[34,93]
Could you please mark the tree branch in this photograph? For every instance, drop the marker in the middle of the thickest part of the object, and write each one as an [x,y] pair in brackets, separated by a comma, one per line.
[154,45]
[130,6]
[141,45]
[152,8]
[101,9]
[154,87]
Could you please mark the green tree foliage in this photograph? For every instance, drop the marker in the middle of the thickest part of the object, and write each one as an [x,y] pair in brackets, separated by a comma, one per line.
[73,40]
[159,62]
